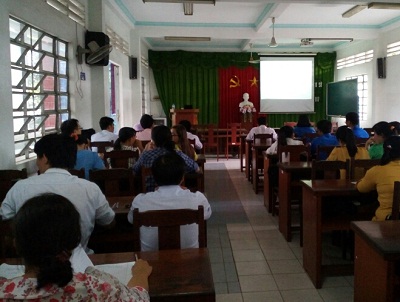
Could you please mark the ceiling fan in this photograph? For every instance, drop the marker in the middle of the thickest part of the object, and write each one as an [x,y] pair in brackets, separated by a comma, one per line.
[273,41]
[252,60]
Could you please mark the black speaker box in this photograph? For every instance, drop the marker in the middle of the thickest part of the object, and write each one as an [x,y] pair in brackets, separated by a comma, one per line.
[132,68]
[101,39]
[381,67]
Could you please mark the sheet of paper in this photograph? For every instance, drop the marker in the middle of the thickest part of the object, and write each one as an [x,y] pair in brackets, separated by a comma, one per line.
[123,271]
[80,260]
[11,271]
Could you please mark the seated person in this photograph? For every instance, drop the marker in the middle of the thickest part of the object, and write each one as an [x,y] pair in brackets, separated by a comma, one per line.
[107,131]
[46,232]
[261,129]
[147,123]
[87,159]
[285,137]
[71,128]
[188,126]
[382,178]
[395,127]
[160,144]
[168,171]
[325,138]
[179,136]
[127,141]
[303,126]
[374,144]
[353,121]
[347,148]
[55,154]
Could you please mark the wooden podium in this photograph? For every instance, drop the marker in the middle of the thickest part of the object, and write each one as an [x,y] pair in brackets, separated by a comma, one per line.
[178,115]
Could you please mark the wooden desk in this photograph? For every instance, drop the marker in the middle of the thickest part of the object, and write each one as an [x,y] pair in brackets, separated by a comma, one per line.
[314,192]
[248,159]
[243,152]
[289,172]
[377,248]
[178,275]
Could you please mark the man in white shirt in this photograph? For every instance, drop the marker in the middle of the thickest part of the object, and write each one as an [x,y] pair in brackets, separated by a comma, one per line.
[168,171]
[107,131]
[188,126]
[261,129]
[55,154]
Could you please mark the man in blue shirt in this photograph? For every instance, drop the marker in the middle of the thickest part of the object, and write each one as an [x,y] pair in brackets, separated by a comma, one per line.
[353,121]
[325,138]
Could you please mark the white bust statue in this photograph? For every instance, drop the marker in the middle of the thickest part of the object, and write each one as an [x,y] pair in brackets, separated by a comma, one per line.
[246,101]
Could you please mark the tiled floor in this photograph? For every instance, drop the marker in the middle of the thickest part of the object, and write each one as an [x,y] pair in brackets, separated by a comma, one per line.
[251,261]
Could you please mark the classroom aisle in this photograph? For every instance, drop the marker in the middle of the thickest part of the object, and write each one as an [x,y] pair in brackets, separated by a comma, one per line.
[251,261]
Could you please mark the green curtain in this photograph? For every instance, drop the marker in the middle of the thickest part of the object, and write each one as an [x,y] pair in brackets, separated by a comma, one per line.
[192,78]
[324,71]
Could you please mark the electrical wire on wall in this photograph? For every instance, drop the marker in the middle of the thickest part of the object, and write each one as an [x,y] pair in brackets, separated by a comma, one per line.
[78,82]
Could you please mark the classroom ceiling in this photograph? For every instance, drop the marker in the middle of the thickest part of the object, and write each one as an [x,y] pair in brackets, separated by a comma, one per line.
[235,26]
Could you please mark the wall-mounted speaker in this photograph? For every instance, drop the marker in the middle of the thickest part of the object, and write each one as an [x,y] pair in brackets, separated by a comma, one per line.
[381,67]
[132,68]
[101,39]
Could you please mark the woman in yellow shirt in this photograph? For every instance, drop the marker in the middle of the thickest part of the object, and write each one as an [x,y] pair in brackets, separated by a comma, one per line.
[179,136]
[382,178]
[347,148]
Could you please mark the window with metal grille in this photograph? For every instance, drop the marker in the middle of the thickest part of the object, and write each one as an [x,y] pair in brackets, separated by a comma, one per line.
[360,58]
[362,90]
[40,85]
[71,8]
[117,42]
[393,49]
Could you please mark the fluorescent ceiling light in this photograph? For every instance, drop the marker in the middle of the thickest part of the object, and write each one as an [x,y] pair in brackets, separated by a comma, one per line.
[191,39]
[329,39]
[182,1]
[354,10]
[383,5]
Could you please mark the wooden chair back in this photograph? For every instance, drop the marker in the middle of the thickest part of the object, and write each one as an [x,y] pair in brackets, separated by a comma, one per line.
[7,248]
[211,139]
[114,182]
[121,158]
[358,167]
[232,137]
[194,181]
[308,137]
[329,169]
[323,152]
[145,174]
[263,138]
[80,173]
[297,152]
[8,178]
[396,201]
[168,223]
[102,147]
[360,142]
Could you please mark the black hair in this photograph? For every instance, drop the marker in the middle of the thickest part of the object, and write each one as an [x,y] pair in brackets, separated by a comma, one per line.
[383,129]
[353,118]
[346,135]
[303,121]
[168,169]
[183,141]
[68,126]
[391,150]
[262,120]
[47,229]
[162,137]
[284,133]
[124,134]
[105,122]
[81,140]
[146,121]
[395,127]
[87,133]
[186,124]
[59,149]
[324,126]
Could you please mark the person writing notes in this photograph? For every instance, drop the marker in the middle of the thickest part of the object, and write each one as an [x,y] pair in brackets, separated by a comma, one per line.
[47,230]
